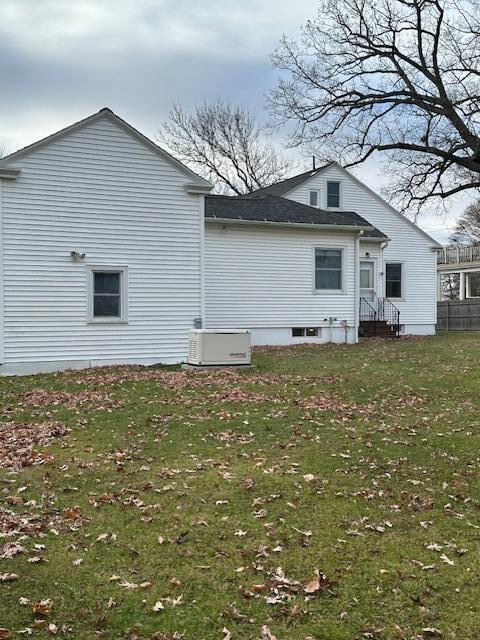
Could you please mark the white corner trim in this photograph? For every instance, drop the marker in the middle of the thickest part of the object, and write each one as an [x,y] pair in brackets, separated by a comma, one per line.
[2,289]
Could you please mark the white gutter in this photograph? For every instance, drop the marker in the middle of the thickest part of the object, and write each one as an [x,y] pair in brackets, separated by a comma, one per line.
[290,225]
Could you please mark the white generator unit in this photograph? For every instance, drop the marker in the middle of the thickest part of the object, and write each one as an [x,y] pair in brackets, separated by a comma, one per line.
[219,347]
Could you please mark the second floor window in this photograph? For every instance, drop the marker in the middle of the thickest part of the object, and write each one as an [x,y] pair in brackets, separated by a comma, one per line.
[333,195]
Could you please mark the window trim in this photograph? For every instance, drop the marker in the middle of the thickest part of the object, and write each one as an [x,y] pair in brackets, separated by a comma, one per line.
[339,182]
[342,290]
[317,334]
[123,271]
[317,191]
[402,279]
[468,286]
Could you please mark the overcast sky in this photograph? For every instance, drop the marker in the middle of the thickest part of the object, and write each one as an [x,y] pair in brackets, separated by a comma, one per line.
[62,60]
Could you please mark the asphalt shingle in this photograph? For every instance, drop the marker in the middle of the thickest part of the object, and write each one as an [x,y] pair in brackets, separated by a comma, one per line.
[271,208]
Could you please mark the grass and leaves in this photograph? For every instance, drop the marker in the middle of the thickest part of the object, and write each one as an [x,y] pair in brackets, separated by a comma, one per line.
[332,493]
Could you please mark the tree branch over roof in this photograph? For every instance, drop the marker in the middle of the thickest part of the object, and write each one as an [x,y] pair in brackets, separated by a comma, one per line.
[395,77]
[225,144]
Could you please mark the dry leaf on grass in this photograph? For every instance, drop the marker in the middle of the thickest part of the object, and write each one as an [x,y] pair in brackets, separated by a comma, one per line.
[266,634]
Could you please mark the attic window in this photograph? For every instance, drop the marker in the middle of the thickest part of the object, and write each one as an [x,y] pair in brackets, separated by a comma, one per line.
[333,195]
[314,199]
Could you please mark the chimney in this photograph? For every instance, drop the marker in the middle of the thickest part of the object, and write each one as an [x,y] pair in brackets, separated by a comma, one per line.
[313,163]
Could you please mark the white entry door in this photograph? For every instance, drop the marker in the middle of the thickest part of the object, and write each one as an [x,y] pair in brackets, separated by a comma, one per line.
[367,279]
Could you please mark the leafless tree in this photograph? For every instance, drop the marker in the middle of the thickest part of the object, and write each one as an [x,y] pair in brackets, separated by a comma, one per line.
[225,144]
[467,229]
[450,286]
[393,76]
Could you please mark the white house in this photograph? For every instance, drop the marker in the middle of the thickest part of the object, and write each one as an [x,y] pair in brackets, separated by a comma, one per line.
[111,250]
[295,274]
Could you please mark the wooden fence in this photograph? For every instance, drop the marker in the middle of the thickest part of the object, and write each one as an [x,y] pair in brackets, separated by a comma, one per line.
[458,315]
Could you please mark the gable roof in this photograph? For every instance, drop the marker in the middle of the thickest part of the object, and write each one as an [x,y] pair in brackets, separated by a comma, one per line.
[113,117]
[284,186]
[271,209]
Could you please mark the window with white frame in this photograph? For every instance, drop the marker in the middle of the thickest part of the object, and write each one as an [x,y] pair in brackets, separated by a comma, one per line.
[328,269]
[107,294]
[393,279]
[314,198]
[473,285]
[333,195]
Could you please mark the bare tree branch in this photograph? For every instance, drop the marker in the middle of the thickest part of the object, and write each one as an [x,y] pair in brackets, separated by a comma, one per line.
[395,77]
[226,145]
[467,229]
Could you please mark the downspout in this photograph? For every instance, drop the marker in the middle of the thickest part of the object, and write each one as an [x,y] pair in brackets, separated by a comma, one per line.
[201,221]
[356,280]
[383,246]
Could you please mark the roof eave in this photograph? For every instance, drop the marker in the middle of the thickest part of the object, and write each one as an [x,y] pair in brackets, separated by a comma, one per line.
[196,188]
[375,239]
[113,117]
[9,173]
[289,225]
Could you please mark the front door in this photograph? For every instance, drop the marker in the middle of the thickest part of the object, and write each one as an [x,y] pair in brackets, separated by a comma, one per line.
[367,280]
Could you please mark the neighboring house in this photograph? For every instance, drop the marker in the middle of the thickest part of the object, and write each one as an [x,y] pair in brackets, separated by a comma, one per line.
[111,251]
[459,272]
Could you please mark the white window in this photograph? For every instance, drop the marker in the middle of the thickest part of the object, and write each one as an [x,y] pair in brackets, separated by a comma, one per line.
[473,285]
[328,269]
[107,290]
[314,198]
[333,195]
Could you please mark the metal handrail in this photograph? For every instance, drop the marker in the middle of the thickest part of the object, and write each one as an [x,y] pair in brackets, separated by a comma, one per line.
[367,311]
[385,311]
[389,313]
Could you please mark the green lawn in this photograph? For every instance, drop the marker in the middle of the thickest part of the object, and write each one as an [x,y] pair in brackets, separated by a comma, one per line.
[331,493]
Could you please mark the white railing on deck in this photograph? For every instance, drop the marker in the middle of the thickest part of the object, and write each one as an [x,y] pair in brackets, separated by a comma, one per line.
[458,253]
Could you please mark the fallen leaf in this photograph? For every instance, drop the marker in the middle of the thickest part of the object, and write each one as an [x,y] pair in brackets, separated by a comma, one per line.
[266,634]
[43,607]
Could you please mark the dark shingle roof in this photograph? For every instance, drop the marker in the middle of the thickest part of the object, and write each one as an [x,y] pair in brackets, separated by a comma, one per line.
[270,208]
[282,187]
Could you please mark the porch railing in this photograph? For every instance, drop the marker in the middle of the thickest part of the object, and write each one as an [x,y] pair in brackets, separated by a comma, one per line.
[380,310]
[390,313]
[458,253]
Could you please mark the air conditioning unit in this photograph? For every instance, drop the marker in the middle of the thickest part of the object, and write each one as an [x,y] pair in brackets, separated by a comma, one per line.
[219,347]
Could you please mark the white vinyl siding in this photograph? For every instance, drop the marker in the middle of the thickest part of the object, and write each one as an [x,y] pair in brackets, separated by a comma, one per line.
[408,245]
[101,192]
[264,277]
